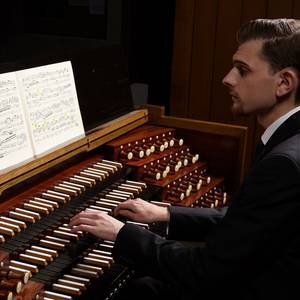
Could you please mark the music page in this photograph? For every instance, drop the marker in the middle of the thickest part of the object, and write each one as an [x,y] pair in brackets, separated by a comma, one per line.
[51,106]
[15,146]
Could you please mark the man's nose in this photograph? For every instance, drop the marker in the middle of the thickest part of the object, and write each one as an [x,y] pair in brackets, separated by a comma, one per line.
[228,80]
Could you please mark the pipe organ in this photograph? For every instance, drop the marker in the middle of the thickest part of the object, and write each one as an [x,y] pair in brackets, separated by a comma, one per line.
[161,159]
[169,161]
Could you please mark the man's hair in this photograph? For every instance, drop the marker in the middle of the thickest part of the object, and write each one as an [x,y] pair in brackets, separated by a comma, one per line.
[281,47]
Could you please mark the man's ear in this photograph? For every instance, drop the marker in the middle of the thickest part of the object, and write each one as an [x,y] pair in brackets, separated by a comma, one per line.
[287,82]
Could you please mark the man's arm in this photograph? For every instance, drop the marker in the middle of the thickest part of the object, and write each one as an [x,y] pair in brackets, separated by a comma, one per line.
[193,223]
[253,234]
[184,221]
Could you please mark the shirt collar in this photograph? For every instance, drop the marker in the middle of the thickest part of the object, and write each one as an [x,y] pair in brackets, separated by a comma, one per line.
[272,128]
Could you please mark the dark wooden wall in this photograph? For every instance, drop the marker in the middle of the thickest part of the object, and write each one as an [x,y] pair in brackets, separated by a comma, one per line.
[204,41]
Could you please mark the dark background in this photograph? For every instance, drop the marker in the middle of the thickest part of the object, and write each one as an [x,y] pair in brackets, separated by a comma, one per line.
[111,44]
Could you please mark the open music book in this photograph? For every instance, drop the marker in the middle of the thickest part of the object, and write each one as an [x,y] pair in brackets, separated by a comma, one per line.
[39,112]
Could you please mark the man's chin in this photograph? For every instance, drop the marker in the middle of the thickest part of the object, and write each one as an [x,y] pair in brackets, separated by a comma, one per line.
[237,110]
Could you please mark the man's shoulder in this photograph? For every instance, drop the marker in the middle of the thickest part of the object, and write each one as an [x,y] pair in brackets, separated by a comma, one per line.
[289,148]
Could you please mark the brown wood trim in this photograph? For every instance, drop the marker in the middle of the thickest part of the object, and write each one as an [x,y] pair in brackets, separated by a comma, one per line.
[48,180]
[156,115]
[117,124]
[29,170]
[39,164]
[106,138]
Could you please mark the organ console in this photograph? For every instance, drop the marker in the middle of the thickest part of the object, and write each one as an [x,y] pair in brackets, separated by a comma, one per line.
[167,160]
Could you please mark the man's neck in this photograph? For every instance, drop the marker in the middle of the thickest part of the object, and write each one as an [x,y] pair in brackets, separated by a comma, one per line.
[265,119]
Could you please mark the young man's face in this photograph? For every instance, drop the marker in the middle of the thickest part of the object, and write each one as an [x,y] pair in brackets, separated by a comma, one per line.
[251,82]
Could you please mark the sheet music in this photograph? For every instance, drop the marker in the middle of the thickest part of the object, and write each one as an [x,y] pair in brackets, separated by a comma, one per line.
[15,144]
[51,105]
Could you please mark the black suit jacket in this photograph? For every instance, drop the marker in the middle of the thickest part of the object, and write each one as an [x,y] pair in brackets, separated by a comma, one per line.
[252,248]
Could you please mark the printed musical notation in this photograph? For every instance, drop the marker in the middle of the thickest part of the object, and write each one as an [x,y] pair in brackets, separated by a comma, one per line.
[39,111]
[51,103]
[14,139]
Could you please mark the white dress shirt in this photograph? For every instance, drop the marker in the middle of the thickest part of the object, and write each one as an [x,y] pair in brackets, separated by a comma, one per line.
[273,127]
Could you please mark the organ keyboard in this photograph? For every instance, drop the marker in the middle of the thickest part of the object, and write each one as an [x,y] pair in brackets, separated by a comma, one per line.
[161,161]
[38,242]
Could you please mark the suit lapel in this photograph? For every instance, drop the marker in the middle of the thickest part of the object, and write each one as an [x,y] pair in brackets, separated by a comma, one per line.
[258,152]
[286,130]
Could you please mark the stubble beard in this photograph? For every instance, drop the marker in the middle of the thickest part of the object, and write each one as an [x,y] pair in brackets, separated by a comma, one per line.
[237,109]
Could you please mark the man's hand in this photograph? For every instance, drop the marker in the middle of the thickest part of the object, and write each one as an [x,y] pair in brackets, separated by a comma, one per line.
[97,223]
[142,211]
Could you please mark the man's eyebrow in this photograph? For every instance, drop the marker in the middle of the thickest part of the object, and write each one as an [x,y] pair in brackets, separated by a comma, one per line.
[240,62]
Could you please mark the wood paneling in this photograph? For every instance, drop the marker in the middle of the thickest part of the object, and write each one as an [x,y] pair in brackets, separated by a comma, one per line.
[280,9]
[227,23]
[252,9]
[203,52]
[182,52]
[296,10]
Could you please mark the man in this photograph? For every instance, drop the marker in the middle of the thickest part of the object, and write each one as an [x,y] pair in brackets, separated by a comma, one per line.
[252,249]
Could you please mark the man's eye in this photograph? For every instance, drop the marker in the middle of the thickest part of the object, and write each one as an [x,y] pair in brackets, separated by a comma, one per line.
[242,71]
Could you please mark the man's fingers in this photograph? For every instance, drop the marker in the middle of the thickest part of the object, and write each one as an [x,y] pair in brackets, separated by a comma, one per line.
[126,213]
[82,220]
[88,215]
[84,228]
[126,205]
